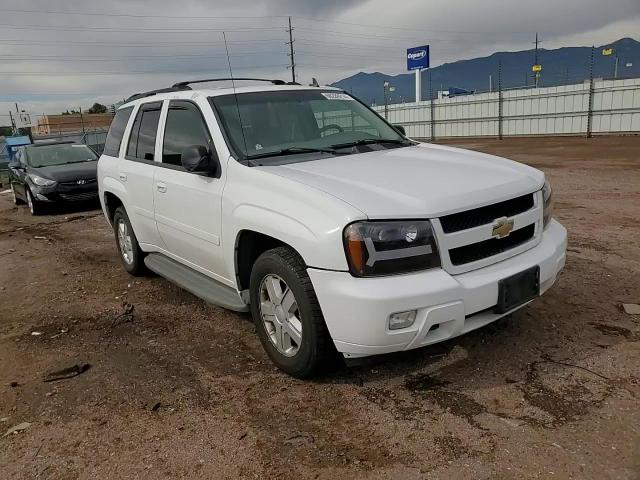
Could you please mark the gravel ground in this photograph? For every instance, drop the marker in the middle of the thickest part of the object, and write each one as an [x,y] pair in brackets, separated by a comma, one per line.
[182,389]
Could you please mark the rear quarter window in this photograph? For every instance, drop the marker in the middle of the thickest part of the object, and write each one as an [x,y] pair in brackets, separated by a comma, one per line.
[116,132]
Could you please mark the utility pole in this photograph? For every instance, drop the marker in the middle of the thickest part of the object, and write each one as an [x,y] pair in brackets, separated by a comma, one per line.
[291,52]
[535,61]
[14,130]
[82,120]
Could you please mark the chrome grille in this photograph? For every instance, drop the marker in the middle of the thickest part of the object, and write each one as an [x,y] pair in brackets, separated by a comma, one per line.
[79,197]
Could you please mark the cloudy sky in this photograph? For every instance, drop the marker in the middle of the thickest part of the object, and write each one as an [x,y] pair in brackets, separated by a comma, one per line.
[57,55]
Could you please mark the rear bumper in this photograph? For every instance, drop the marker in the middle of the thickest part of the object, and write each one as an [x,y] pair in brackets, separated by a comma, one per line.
[356,310]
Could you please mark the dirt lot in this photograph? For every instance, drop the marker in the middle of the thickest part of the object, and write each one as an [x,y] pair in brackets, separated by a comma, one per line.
[185,390]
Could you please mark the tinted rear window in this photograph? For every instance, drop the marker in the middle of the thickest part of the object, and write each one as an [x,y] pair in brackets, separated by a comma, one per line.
[116,132]
[142,141]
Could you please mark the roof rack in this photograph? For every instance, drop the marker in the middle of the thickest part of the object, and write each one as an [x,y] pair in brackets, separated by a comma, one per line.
[180,86]
[175,88]
[274,81]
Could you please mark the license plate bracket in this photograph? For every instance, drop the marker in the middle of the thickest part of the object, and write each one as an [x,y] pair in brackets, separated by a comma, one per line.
[518,289]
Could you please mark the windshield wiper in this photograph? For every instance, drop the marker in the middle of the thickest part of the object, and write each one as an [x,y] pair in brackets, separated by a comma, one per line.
[370,141]
[292,151]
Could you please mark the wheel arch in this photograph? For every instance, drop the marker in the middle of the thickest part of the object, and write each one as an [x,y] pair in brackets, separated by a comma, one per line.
[249,245]
[111,202]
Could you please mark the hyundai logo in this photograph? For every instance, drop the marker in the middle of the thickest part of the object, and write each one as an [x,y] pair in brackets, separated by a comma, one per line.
[417,55]
[81,182]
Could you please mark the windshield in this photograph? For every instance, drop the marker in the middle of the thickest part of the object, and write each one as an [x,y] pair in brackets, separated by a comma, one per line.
[48,155]
[284,122]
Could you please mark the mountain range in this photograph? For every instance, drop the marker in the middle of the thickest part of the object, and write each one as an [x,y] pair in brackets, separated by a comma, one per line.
[559,67]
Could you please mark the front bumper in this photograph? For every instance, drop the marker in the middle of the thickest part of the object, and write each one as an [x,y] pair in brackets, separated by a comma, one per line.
[356,310]
[62,194]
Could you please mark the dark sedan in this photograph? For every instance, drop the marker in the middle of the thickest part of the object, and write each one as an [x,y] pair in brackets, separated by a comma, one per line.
[53,172]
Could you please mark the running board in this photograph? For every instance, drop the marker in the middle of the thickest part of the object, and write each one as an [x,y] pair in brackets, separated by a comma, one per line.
[195,282]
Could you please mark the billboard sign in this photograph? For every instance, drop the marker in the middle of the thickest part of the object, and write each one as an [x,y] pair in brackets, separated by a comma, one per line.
[418,57]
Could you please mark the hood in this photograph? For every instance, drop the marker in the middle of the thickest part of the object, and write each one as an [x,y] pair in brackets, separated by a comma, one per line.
[69,172]
[421,181]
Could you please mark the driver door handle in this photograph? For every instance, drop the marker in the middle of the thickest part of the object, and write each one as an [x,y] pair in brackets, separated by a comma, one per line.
[162,187]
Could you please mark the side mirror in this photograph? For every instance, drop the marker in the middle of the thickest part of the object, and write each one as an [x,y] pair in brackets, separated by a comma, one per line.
[198,159]
[400,129]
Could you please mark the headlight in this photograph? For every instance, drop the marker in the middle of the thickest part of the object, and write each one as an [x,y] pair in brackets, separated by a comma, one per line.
[547,198]
[390,247]
[41,181]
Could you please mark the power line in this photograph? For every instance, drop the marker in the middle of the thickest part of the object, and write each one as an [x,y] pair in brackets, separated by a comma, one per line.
[21,58]
[133,30]
[154,44]
[244,17]
[130,72]
[397,27]
[130,15]
[312,42]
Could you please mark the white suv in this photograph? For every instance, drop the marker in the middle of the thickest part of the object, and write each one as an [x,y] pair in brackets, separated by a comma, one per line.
[337,231]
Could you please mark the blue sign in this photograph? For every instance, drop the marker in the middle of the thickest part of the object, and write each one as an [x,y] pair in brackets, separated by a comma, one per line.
[418,57]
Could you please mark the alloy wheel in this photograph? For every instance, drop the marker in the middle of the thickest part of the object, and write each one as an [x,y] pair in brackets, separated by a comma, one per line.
[280,315]
[124,242]
[30,202]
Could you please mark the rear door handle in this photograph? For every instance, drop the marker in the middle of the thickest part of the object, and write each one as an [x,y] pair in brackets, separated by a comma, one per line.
[162,187]
[123,177]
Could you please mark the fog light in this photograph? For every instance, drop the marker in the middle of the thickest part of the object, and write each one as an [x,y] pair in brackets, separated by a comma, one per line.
[39,196]
[402,319]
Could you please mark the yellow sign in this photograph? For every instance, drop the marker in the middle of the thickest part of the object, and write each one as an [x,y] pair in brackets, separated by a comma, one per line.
[607,51]
[536,68]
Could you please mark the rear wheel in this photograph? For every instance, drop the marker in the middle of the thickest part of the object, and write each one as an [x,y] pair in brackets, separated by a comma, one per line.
[130,254]
[287,315]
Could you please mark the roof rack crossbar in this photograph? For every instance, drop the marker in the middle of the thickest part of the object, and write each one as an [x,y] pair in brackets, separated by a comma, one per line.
[185,84]
[174,88]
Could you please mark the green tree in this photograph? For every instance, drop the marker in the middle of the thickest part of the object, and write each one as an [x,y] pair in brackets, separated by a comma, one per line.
[97,108]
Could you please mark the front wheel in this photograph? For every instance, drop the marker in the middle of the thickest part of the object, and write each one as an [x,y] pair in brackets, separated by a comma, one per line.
[130,254]
[34,206]
[287,315]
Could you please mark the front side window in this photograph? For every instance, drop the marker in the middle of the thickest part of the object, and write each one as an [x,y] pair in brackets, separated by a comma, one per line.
[116,132]
[142,141]
[262,123]
[185,128]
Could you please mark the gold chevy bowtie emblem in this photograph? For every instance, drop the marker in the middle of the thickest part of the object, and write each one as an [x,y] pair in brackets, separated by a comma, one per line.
[502,227]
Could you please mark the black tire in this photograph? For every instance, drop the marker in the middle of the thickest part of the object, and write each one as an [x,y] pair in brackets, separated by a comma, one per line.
[35,207]
[316,353]
[135,265]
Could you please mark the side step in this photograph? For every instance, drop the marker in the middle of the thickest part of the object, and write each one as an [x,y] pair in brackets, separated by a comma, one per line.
[195,282]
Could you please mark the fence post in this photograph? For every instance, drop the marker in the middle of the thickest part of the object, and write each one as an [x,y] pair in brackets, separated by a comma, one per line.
[432,111]
[500,136]
[590,110]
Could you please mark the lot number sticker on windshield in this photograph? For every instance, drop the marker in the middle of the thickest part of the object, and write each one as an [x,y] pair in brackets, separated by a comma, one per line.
[336,96]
